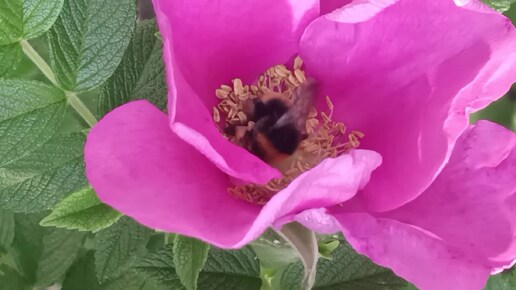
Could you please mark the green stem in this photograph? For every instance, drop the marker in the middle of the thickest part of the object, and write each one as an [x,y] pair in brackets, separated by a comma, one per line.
[72,98]
[304,242]
[81,108]
[38,61]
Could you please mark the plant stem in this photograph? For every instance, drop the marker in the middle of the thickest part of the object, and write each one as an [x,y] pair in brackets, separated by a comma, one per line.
[81,108]
[304,242]
[38,61]
[72,98]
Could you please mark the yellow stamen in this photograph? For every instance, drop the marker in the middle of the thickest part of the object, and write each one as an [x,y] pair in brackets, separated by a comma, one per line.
[326,138]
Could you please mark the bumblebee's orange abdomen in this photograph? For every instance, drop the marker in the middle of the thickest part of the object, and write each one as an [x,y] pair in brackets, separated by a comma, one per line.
[271,155]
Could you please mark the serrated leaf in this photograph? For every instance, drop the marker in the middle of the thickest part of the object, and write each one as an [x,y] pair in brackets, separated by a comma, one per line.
[128,281]
[81,276]
[227,269]
[11,280]
[6,229]
[156,242]
[60,248]
[10,57]
[28,244]
[43,255]
[160,267]
[140,75]
[503,281]
[190,255]
[30,114]
[118,246]
[82,210]
[346,271]
[26,19]
[500,5]
[39,180]
[88,41]
[224,269]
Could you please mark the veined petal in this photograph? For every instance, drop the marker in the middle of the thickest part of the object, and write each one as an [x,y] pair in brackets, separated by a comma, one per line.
[333,181]
[137,165]
[207,44]
[407,74]
[425,260]
[472,203]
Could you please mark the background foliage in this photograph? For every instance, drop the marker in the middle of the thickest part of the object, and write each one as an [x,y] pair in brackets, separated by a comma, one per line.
[59,57]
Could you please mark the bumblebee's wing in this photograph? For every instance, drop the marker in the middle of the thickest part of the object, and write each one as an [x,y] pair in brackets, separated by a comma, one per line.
[303,99]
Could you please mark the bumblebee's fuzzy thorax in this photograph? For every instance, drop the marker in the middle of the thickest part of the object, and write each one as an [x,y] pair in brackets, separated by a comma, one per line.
[276,121]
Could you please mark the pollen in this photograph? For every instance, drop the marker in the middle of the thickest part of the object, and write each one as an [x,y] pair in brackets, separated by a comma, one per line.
[326,138]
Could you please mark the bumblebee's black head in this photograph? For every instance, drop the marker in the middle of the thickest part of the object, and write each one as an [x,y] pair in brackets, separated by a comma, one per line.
[273,108]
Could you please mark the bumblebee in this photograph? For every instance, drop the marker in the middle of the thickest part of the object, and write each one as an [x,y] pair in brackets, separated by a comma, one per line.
[280,123]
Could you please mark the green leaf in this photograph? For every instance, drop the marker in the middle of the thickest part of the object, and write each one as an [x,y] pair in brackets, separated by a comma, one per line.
[26,19]
[223,269]
[81,276]
[118,247]
[60,248]
[503,281]
[6,229]
[160,267]
[30,114]
[347,270]
[156,242]
[44,255]
[326,247]
[226,269]
[28,244]
[140,74]
[500,5]
[39,180]
[12,280]
[129,281]
[82,210]
[10,57]
[190,255]
[88,41]
[273,255]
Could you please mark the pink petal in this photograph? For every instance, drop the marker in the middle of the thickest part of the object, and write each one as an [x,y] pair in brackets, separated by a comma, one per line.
[413,254]
[207,44]
[333,181]
[472,203]
[141,168]
[407,75]
[328,6]
[318,220]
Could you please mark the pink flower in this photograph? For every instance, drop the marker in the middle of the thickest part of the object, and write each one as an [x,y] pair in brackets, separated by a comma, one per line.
[440,208]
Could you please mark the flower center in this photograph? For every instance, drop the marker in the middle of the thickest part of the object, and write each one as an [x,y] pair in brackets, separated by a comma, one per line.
[236,115]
